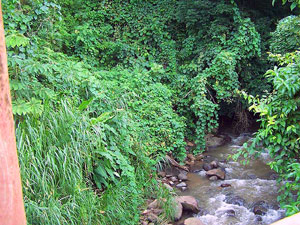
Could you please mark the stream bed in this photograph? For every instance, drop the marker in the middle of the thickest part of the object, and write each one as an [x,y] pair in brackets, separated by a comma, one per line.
[248,195]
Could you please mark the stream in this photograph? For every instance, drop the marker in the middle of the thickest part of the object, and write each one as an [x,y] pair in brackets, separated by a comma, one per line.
[251,188]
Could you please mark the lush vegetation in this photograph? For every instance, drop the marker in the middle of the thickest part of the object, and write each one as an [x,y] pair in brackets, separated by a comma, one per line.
[103,90]
[279,114]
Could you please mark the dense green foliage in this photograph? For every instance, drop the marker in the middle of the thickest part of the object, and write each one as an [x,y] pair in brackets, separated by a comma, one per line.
[279,114]
[103,90]
[280,124]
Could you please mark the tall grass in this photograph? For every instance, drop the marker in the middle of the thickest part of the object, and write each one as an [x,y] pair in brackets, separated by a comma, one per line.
[55,160]
[56,153]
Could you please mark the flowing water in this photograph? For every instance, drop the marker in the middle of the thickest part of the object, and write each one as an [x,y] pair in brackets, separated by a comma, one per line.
[250,185]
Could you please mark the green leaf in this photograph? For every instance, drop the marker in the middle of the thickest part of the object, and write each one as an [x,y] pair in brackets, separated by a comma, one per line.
[293,5]
[85,104]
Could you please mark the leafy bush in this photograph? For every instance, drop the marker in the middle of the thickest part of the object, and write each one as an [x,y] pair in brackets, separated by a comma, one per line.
[286,37]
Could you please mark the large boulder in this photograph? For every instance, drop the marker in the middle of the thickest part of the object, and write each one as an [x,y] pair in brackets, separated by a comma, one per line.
[189,203]
[215,141]
[220,173]
[193,221]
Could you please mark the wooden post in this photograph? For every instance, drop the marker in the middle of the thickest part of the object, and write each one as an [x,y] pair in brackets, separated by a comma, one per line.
[11,199]
[291,220]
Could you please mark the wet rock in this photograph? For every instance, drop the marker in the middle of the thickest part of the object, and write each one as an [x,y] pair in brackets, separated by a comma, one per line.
[275,207]
[168,187]
[260,208]
[162,174]
[189,203]
[183,177]
[213,178]
[230,212]
[216,172]
[207,167]
[214,164]
[174,179]
[193,221]
[180,185]
[235,200]
[225,185]
[214,140]
[183,188]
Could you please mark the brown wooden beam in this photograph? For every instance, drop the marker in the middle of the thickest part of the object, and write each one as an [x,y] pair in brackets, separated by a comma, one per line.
[11,199]
[291,220]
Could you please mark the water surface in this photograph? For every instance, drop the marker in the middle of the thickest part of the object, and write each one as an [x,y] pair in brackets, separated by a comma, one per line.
[249,184]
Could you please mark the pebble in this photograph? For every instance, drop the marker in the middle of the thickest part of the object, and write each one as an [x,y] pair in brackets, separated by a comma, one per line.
[180,185]
[183,188]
